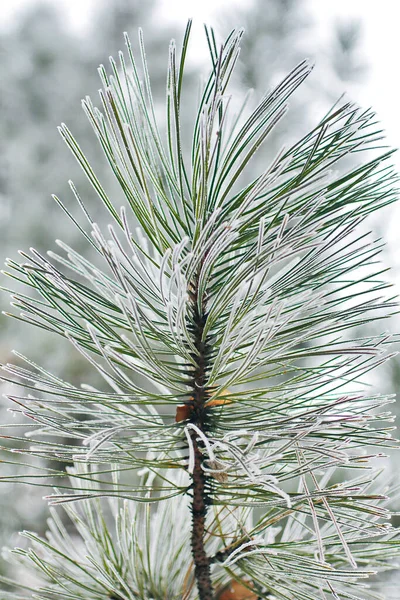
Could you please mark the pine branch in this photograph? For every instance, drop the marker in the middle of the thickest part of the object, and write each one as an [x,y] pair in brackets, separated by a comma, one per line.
[219,312]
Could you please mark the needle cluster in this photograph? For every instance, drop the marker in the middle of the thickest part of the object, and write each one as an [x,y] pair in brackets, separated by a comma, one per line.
[231,440]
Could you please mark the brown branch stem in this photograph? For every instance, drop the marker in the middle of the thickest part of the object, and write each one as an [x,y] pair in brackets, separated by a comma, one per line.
[198,417]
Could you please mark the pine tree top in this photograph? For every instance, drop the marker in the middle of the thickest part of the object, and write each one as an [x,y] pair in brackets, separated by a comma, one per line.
[223,313]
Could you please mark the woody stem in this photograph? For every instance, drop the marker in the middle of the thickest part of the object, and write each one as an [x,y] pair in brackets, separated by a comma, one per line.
[200,489]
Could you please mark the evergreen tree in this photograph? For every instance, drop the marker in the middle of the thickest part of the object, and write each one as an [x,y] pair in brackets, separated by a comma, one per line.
[202,467]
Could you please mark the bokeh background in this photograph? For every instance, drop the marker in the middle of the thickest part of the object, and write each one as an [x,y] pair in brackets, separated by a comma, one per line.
[49,52]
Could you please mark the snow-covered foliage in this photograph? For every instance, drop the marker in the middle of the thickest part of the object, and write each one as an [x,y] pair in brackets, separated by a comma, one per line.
[231,438]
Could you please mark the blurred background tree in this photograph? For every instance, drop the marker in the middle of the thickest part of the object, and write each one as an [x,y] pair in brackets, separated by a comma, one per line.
[281,33]
[46,69]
